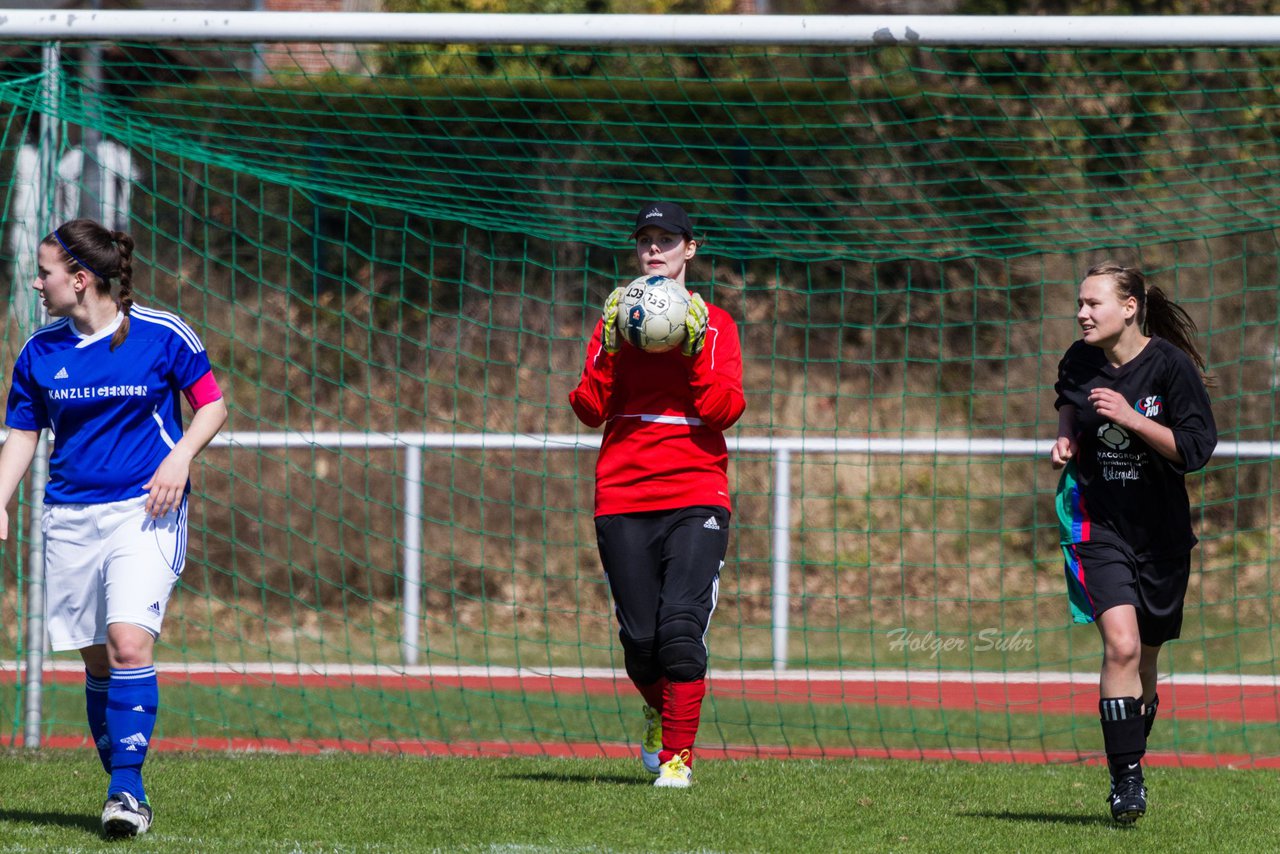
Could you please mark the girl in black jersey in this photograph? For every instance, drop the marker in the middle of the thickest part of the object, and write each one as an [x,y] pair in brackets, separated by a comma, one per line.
[1133,419]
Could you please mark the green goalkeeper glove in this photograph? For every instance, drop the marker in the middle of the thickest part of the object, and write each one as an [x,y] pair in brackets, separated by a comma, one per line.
[609,317]
[695,326]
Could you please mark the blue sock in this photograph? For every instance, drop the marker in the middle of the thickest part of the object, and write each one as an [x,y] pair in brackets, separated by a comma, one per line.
[132,700]
[95,709]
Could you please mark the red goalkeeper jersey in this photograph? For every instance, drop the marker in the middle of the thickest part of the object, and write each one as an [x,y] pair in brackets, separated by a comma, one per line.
[665,415]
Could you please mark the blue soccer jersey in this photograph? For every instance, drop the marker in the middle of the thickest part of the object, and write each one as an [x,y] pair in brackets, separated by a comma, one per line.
[115,415]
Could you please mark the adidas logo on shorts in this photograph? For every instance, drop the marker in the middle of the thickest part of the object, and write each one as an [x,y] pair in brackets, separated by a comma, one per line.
[711,524]
[154,608]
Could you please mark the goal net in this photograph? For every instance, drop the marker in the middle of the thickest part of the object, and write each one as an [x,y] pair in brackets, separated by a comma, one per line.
[394,253]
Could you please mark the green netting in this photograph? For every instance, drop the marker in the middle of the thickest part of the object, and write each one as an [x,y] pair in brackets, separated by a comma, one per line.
[385,243]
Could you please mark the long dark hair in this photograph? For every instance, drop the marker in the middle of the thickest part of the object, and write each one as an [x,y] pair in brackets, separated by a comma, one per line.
[1157,314]
[104,254]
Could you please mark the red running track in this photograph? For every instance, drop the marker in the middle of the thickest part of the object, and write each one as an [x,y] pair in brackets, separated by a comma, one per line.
[590,750]
[1253,700]
[1236,701]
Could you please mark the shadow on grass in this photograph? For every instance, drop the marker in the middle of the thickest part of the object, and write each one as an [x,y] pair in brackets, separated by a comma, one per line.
[88,823]
[610,779]
[1048,818]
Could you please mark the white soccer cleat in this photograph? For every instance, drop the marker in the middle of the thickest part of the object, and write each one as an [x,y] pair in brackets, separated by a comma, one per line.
[651,743]
[674,774]
[123,816]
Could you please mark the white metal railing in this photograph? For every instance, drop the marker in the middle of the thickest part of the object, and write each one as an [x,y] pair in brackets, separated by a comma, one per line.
[412,445]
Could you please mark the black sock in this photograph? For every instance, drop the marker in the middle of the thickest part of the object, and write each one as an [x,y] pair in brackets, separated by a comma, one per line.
[1149,714]
[1123,735]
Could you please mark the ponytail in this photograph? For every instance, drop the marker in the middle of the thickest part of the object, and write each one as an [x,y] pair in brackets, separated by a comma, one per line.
[124,246]
[1157,314]
[1170,321]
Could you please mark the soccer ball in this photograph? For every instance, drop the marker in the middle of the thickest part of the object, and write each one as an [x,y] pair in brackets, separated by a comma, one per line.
[652,312]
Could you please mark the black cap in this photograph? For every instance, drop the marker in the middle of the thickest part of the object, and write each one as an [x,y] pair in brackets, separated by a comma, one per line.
[665,215]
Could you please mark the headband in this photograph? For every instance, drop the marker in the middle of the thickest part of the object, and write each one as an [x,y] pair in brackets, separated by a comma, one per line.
[67,249]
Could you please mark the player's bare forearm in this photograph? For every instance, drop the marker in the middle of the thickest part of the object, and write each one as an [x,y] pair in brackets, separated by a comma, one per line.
[204,425]
[15,458]
[168,485]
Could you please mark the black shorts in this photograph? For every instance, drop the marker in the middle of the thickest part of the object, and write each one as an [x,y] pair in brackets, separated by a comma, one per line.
[1109,574]
[662,561]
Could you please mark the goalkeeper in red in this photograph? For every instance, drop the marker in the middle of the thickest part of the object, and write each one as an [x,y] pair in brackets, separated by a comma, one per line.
[1133,419]
[662,490]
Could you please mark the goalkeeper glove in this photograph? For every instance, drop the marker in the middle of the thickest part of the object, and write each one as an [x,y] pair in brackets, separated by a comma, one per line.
[695,326]
[609,318]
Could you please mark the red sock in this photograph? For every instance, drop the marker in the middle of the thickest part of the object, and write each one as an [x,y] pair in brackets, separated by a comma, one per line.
[681,712]
[653,693]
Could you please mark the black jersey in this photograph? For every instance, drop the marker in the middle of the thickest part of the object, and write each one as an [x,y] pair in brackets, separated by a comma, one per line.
[1120,488]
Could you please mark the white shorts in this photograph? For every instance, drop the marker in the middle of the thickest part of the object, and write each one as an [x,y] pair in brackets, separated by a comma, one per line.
[109,563]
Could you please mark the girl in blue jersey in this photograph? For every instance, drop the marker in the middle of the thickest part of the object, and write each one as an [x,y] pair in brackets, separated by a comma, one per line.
[107,377]
[1133,419]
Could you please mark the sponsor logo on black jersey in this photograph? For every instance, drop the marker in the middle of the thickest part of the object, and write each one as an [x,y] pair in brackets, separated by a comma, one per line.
[1116,438]
[1150,406]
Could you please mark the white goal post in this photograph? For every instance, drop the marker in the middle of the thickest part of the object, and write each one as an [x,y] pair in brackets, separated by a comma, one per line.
[702,30]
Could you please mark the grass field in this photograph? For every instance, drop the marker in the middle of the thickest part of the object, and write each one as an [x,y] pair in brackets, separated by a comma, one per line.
[49,801]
